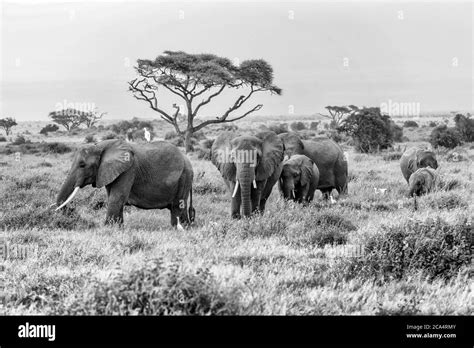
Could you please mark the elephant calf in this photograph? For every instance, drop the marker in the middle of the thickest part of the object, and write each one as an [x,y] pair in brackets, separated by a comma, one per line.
[415,158]
[149,176]
[299,179]
[423,181]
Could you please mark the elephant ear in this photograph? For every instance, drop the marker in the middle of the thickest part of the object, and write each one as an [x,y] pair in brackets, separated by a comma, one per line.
[220,152]
[272,155]
[306,171]
[412,165]
[117,157]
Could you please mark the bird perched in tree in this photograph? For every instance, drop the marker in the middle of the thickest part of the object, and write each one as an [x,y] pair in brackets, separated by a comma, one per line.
[147,134]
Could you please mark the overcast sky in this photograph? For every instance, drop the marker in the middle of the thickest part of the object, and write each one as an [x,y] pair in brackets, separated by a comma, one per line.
[84,52]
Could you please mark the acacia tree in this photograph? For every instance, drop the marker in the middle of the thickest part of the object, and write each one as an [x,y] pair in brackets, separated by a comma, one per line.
[197,79]
[338,113]
[7,124]
[68,118]
[92,117]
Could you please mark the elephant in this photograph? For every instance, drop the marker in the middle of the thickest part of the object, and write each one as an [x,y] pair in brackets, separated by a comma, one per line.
[299,179]
[148,176]
[415,158]
[423,181]
[250,166]
[328,157]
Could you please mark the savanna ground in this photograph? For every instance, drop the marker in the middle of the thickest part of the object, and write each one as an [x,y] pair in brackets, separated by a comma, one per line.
[370,253]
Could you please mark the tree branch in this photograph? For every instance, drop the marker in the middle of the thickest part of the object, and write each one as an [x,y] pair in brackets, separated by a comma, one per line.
[220,120]
[204,102]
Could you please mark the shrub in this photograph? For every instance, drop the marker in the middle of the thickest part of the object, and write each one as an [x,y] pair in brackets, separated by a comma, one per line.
[170,135]
[397,133]
[49,128]
[110,135]
[207,143]
[68,219]
[297,126]
[314,125]
[465,126]
[2,139]
[278,128]
[444,136]
[432,124]
[410,124]
[392,156]
[433,247]
[370,130]
[55,147]
[202,153]
[157,289]
[321,229]
[90,139]
[19,140]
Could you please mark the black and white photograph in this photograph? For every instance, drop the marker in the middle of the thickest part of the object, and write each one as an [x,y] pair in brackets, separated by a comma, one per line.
[308,159]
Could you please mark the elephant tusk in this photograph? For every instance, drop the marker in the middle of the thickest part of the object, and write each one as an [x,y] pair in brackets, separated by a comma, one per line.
[235,188]
[254,184]
[69,198]
[179,226]
[293,193]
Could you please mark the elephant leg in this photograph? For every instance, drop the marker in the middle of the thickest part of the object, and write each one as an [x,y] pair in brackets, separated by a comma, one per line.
[235,205]
[255,197]
[118,193]
[326,193]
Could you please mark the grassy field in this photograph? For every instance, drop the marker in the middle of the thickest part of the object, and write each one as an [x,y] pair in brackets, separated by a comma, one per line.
[370,253]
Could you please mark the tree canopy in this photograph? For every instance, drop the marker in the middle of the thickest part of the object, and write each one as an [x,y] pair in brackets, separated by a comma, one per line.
[203,76]
[7,124]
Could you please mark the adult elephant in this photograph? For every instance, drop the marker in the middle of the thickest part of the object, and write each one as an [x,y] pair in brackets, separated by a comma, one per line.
[328,157]
[299,179]
[149,176]
[415,158]
[250,166]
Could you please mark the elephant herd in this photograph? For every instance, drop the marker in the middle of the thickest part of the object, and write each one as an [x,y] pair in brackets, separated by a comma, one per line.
[158,175]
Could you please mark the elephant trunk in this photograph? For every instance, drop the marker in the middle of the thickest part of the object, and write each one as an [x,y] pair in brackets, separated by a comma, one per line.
[245,181]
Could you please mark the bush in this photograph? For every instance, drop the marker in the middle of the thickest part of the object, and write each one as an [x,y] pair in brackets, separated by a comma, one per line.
[49,128]
[170,135]
[444,136]
[321,229]
[19,140]
[278,128]
[90,139]
[433,247]
[370,130]
[410,124]
[432,124]
[465,126]
[2,139]
[110,135]
[397,133]
[314,125]
[55,147]
[207,143]
[297,126]
[67,219]
[392,156]
[157,289]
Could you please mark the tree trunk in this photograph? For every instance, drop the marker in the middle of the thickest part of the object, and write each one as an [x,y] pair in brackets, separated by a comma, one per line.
[187,140]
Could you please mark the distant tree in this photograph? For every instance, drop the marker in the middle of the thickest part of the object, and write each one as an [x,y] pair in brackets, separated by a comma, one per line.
[7,124]
[193,76]
[465,126]
[126,127]
[68,118]
[410,124]
[89,119]
[445,136]
[338,113]
[370,130]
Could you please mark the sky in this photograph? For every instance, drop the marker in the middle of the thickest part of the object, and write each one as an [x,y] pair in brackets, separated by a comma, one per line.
[56,54]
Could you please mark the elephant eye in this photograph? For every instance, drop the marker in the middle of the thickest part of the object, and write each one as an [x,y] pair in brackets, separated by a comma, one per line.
[82,164]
